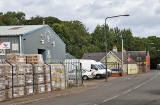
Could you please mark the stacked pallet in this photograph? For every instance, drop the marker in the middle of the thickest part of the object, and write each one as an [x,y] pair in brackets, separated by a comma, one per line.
[58,77]
[4,70]
[27,74]
[47,78]
[28,79]
[39,84]
[16,58]
[22,76]
[34,59]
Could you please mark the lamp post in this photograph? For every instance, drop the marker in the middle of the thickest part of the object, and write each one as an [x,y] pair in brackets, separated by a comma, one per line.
[122,58]
[106,41]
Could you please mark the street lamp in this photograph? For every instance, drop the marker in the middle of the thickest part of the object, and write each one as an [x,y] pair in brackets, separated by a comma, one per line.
[106,40]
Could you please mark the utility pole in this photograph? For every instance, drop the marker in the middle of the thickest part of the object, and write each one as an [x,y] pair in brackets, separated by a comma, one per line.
[122,56]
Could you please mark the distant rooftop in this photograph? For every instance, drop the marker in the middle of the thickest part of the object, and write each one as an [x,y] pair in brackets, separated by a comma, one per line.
[97,56]
[69,56]
[18,29]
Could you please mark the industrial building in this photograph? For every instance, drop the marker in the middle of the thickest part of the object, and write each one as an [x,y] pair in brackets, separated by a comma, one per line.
[31,39]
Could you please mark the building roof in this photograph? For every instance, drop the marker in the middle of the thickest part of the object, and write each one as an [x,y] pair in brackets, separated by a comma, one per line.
[18,29]
[136,56]
[119,55]
[94,56]
[69,56]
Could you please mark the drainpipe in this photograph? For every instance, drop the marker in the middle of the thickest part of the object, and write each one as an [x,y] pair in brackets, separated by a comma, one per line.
[20,44]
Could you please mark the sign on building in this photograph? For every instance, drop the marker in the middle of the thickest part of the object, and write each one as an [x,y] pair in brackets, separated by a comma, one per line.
[4,45]
[15,47]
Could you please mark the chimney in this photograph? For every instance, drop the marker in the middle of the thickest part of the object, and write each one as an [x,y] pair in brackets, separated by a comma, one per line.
[115,48]
[43,21]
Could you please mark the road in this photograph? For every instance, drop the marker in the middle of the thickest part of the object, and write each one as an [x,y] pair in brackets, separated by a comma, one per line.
[141,89]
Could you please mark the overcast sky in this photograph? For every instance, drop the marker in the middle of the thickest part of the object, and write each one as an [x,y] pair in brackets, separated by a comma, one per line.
[144,19]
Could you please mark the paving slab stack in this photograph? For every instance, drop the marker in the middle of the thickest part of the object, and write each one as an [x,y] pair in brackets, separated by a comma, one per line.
[27,74]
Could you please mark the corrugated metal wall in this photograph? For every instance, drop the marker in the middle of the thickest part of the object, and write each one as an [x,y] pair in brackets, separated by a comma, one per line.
[32,43]
[12,40]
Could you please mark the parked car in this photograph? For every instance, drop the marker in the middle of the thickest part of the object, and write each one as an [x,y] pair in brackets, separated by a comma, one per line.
[85,74]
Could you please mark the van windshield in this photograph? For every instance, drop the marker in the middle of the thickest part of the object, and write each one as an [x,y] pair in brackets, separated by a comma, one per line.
[99,66]
[104,67]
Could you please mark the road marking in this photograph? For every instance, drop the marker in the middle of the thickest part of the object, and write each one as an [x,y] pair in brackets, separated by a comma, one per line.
[127,91]
[111,98]
[131,89]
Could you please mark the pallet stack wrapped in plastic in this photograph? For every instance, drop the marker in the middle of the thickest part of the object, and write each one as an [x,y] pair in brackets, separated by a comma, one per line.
[39,83]
[41,73]
[28,79]
[27,74]
[47,78]
[4,69]
[16,79]
[58,77]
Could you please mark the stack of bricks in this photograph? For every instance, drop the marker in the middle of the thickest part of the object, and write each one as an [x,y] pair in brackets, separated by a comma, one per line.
[34,59]
[26,75]
[42,81]
[47,78]
[4,69]
[58,76]
[39,83]
[29,88]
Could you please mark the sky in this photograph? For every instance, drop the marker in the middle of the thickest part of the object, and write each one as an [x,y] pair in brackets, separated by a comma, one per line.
[144,19]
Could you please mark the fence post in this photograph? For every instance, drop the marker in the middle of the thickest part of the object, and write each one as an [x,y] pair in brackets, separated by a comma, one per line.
[76,76]
[33,76]
[81,73]
[50,77]
[12,67]
[63,63]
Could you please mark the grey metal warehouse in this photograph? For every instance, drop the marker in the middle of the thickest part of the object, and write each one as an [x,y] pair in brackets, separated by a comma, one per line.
[32,39]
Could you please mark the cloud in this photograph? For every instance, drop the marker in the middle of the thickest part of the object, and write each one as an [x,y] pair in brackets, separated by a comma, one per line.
[144,19]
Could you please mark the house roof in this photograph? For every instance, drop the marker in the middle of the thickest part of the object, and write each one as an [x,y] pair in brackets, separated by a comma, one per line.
[18,29]
[134,55]
[138,56]
[69,56]
[94,56]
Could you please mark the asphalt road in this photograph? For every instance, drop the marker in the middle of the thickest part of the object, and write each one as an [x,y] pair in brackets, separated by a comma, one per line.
[141,89]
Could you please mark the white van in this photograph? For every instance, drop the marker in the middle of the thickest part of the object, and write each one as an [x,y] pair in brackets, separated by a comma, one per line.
[94,66]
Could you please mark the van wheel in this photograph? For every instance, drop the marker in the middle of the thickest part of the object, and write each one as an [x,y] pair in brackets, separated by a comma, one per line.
[98,76]
[85,77]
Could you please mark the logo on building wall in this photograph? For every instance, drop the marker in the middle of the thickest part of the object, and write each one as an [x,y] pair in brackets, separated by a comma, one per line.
[4,45]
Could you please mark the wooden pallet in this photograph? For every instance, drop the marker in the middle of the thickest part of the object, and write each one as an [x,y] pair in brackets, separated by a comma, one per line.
[34,59]
[16,58]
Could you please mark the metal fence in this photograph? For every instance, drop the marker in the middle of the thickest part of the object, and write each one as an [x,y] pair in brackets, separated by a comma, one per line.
[73,71]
